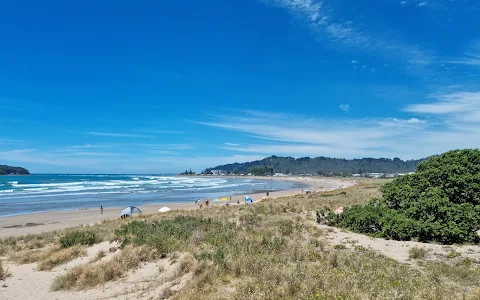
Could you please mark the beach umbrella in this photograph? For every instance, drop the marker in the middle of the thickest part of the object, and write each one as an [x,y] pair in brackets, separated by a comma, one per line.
[248,199]
[224,199]
[129,211]
[339,210]
[164,209]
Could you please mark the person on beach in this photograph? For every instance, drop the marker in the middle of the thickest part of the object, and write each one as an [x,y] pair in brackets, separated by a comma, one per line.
[101,209]
[238,201]
[201,205]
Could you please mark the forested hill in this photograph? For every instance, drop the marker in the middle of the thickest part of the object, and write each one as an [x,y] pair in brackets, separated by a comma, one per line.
[8,170]
[319,165]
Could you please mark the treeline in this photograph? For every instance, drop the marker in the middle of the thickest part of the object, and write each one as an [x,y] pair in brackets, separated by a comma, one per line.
[8,170]
[319,165]
[188,172]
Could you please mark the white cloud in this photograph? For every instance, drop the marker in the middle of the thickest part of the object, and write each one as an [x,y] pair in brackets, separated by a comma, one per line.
[403,2]
[354,62]
[421,4]
[110,134]
[345,107]
[232,144]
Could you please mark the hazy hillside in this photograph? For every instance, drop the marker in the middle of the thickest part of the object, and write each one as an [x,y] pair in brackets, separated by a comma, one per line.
[6,170]
[325,165]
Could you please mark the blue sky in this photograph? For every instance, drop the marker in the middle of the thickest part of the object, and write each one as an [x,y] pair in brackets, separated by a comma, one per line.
[160,86]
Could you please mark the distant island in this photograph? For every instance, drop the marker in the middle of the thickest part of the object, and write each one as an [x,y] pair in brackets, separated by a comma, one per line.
[8,170]
[324,166]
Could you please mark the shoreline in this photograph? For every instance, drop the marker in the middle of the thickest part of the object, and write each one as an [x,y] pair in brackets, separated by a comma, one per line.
[35,223]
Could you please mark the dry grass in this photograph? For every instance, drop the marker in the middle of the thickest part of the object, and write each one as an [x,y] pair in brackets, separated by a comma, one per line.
[417,253]
[3,272]
[83,277]
[31,256]
[60,257]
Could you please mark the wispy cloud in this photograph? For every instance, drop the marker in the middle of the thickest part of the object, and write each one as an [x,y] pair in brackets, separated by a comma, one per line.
[423,3]
[232,144]
[458,107]
[403,2]
[110,134]
[322,21]
[89,146]
[354,62]
[471,58]
[345,107]
[285,134]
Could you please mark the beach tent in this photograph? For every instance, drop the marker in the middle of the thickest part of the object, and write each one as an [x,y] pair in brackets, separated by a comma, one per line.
[164,209]
[224,199]
[129,211]
[248,199]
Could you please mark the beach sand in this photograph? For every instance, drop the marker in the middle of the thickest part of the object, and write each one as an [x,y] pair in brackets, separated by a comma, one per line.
[48,221]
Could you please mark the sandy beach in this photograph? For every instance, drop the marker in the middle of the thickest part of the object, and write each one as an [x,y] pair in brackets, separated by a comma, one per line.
[42,222]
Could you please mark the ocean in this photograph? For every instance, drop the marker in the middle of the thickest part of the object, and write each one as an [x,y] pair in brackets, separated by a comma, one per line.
[42,192]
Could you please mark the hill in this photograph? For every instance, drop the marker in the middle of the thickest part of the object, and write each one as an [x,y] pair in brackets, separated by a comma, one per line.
[319,165]
[8,170]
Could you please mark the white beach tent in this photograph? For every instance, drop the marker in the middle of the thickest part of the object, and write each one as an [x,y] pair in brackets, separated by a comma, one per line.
[129,211]
[164,209]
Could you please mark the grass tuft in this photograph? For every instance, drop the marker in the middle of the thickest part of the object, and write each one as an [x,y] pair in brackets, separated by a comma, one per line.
[417,253]
[3,272]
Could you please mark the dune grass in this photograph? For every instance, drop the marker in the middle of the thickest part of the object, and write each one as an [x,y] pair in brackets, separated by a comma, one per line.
[270,250]
[60,257]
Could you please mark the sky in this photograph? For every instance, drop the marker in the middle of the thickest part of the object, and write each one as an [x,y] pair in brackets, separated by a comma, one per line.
[164,86]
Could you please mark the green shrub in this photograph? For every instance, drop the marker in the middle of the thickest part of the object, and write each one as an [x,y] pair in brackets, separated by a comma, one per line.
[440,202]
[78,237]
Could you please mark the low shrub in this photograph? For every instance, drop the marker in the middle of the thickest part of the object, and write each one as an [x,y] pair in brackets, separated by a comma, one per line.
[78,237]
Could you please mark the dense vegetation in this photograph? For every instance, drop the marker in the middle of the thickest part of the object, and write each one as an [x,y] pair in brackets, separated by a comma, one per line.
[8,170]
[439,203]
[320,165]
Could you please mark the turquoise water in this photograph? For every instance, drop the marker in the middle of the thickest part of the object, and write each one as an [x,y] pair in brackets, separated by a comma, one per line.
[39,193]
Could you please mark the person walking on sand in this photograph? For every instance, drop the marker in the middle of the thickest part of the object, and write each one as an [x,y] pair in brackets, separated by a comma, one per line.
[101,209]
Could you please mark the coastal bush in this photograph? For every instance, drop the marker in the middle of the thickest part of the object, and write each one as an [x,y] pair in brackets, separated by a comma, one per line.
[440,202]
[78,237]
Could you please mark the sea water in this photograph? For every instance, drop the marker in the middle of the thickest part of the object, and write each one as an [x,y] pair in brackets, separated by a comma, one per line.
[40,193]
